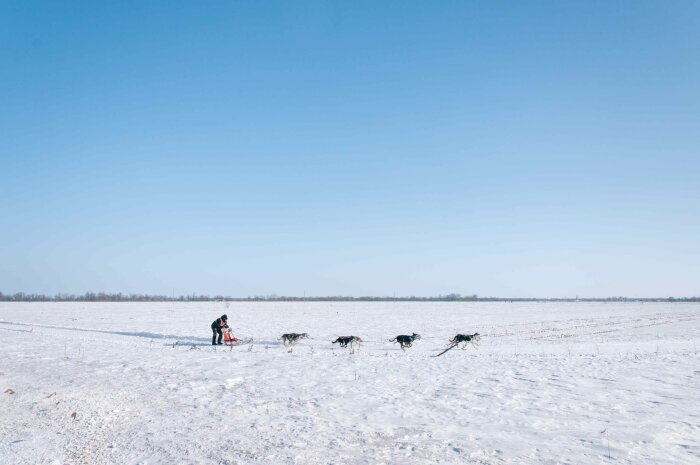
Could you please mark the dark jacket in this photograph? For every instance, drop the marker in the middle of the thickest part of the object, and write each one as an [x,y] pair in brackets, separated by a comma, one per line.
[219,323]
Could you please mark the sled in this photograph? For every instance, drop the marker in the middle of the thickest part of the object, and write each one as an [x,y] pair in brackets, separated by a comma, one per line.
[230,339]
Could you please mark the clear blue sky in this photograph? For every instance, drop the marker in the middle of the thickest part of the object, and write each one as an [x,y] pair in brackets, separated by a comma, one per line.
[354,148]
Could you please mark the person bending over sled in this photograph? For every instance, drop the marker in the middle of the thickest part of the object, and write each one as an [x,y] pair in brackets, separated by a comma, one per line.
[216,329]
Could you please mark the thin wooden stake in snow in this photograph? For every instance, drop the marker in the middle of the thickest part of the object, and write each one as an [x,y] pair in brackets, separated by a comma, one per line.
[607,436]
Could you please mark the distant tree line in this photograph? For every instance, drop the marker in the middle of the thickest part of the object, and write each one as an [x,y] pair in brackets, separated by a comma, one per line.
[119,297]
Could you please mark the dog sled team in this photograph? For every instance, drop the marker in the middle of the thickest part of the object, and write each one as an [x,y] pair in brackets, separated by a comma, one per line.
[221,329]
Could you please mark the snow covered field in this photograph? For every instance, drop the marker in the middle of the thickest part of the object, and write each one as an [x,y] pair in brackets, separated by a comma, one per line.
[551,383]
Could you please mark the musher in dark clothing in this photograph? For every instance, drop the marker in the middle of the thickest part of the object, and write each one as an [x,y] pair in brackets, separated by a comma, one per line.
[216,329]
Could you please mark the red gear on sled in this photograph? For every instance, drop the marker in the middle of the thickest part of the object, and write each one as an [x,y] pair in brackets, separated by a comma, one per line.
[229,338]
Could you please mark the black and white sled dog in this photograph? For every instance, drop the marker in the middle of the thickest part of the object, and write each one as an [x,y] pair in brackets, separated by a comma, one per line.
[406,341]
[345,341]
[466,339]
[292,338]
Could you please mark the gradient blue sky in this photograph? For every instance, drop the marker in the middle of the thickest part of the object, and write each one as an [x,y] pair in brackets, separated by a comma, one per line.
[354,148]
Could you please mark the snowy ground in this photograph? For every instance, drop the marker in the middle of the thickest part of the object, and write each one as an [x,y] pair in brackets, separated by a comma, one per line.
[551,383]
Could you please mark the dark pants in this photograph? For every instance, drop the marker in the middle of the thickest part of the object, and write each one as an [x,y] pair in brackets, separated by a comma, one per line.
[213,336]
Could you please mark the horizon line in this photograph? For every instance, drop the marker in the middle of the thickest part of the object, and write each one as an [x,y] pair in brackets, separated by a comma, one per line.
[91,296]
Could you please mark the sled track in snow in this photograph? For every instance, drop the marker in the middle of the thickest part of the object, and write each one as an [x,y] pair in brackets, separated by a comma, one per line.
[141,334]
